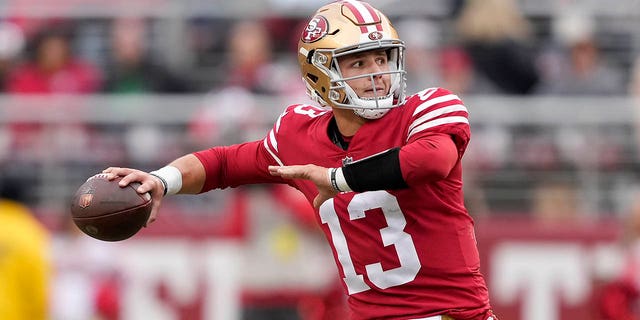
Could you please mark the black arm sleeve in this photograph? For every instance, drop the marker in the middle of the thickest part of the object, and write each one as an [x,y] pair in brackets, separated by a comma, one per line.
[377,172]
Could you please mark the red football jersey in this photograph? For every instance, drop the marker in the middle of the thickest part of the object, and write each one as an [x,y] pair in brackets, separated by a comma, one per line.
[402,254]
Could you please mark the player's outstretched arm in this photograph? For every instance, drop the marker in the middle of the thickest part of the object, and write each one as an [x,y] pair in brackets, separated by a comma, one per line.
[183,175]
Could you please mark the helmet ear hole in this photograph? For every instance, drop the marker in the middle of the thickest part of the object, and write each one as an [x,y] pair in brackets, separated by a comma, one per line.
[310,55]
[312,77]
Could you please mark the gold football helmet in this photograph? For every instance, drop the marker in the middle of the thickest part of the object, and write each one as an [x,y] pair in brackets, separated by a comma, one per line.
[342,28]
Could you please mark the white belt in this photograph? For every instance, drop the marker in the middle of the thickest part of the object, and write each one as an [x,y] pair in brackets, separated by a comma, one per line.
[430,318]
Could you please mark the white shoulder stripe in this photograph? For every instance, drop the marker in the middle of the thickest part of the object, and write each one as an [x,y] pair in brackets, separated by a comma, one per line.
[272,139]
[279,120]
[437,122]
[266,146]
[435,101]
[436,113]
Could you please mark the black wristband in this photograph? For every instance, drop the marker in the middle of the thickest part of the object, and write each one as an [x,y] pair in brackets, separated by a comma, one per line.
[378,172]
[164,183]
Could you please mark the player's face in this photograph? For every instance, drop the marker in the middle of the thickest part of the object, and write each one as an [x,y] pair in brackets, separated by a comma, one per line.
[366,63]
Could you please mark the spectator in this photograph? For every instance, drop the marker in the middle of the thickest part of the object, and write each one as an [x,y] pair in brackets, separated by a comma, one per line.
[457,72]
[249,54]
[576,66]
[429,63]
[227,115]
[555,200]
[53,68]
[24,264]
[497,37]
[251,63]
[423,40]
[131,69]
[11,45]
[250,70]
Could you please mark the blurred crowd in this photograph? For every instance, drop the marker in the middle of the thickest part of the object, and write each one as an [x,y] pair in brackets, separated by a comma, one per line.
[467,50]
[478,47]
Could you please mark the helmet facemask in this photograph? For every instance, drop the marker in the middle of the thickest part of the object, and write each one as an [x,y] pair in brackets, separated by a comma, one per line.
[341,95]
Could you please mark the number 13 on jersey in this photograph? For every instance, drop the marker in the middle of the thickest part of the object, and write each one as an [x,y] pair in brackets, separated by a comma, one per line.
[392,234]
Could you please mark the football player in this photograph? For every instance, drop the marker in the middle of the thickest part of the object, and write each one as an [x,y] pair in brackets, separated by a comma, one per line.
[382,170]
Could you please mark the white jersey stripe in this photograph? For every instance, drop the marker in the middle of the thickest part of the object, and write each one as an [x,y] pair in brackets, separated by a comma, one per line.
[430,318]
[435,101]
[266,146]
[427,93]
[278,121]
[272,139]
[436,113]
[437,122]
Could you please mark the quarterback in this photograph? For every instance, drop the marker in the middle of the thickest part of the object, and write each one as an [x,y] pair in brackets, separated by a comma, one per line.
[382,169]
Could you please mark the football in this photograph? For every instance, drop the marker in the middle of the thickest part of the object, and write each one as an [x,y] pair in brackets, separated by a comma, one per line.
[105,211]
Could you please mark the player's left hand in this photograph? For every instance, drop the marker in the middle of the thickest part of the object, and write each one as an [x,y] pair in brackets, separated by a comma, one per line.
[148,183]
[316,174]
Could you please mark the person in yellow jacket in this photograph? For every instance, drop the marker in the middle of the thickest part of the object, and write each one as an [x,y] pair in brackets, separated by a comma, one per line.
[24,264]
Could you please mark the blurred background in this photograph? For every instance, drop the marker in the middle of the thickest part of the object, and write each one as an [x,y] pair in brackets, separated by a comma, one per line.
[553,91]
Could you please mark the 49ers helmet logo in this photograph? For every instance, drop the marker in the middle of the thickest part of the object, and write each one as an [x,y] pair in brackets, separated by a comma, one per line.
[376,35]
[316,29]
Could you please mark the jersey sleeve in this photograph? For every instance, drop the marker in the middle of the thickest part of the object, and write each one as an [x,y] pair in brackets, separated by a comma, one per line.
[437,110]
[427,159]
[246,163]
[231,166]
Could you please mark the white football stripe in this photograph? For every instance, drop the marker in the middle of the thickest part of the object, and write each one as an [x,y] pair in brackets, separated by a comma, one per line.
[437,122]
[435,101]
[266,146]
[436,113]
[363,11]
[364,37]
